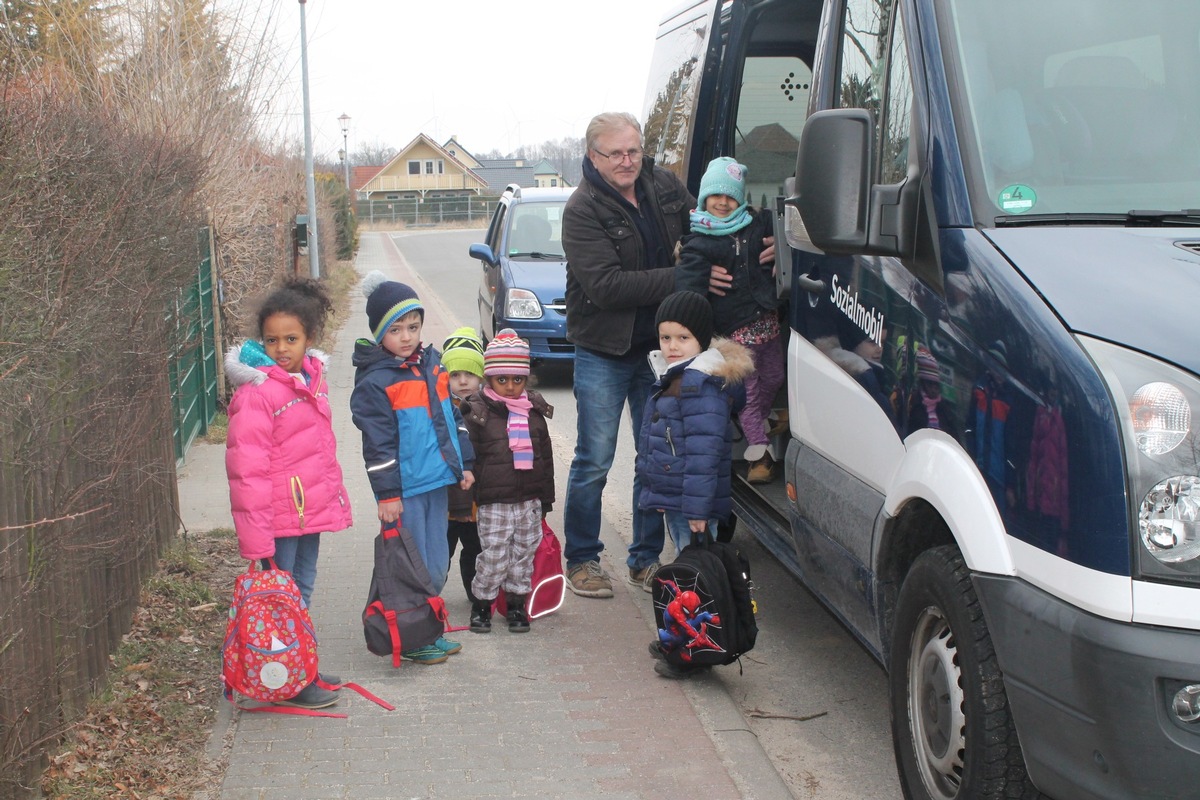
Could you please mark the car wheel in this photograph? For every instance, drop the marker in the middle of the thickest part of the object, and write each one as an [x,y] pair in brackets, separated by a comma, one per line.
[951,728]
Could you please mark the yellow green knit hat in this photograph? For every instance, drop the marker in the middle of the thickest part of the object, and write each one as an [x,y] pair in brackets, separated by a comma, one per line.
[463,352]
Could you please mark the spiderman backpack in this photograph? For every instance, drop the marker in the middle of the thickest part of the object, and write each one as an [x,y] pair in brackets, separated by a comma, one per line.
[270,648]
[704,605]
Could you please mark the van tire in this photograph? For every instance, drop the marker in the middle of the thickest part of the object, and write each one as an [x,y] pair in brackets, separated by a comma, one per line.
[952,732]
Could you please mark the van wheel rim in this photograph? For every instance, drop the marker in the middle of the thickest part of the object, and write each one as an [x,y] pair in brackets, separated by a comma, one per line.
[935,706]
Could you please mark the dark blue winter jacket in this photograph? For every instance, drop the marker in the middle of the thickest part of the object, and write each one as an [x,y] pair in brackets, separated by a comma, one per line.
[686,432]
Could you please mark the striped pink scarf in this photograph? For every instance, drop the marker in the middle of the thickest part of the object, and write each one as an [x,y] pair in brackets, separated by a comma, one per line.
[519,440]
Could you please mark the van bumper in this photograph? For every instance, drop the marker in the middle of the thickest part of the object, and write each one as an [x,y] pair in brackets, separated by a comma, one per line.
[1092,697]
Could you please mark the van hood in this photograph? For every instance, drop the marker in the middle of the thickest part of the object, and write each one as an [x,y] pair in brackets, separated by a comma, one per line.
[1136,287]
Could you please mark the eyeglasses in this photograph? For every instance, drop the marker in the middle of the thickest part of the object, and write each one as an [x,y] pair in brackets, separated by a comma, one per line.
[503,380]
[617,157]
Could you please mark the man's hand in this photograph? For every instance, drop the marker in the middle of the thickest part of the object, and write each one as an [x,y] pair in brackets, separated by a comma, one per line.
[719,278]
[468,480]
[390,510]
[698,525]
[767,256]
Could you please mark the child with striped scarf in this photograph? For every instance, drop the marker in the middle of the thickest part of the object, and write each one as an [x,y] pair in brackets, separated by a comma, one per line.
[514,479]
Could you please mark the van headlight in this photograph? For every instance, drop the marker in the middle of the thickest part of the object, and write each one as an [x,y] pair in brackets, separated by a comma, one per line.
[522,304]
[1154,402]
[1169,519]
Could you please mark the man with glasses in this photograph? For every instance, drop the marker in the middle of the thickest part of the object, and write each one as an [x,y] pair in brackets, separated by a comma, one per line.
[619,231]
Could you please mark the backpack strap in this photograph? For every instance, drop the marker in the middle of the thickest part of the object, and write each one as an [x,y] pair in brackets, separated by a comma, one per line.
[333,687]
[389,617]
[274,709]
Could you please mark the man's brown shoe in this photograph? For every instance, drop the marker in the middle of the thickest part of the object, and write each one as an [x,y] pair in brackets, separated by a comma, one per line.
[588,580]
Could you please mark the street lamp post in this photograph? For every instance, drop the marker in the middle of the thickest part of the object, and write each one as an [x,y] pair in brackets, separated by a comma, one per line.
[314,261]
[344,119]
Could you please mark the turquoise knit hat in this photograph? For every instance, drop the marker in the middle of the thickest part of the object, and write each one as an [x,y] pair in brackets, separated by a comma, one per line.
[723,176]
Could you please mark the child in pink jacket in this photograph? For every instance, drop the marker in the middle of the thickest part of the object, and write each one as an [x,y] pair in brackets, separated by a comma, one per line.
[285,483]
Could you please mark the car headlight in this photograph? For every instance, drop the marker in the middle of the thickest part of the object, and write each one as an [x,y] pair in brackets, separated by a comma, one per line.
[1154,402]
[522,304]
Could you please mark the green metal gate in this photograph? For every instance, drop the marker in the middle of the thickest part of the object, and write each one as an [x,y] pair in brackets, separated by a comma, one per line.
[193,368]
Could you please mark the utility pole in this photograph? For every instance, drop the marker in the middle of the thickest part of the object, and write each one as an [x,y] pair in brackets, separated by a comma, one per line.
[310,185]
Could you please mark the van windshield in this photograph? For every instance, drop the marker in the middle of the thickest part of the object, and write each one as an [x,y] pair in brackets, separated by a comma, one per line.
[1078,106]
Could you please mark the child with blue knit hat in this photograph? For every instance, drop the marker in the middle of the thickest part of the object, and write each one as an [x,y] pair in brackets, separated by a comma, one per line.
[728,232]
[414,441]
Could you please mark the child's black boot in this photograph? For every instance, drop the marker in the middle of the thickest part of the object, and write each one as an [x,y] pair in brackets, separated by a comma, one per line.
[481,616]
[518,620]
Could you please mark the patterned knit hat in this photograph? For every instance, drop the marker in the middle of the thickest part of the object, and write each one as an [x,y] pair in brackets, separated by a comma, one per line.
[692,311]
[388,301]
[927,366]
[723,176]
[507,354]
[463,352]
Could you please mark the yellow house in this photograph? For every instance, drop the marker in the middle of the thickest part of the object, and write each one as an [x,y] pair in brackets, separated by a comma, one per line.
[423,169]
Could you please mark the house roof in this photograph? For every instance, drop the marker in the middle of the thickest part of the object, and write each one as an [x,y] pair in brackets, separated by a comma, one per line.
[771,138]
[360,175]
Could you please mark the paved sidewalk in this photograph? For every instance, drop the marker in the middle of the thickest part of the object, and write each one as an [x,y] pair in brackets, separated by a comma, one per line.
[570,710]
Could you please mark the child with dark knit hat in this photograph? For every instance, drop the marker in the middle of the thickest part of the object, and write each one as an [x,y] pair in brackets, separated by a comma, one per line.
[462,356]
[414,442]
[514,464]
[684,456]
[728,232]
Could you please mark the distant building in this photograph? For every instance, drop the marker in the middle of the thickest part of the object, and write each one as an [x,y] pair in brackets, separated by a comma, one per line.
[425,169]
[422,169]
[500,172]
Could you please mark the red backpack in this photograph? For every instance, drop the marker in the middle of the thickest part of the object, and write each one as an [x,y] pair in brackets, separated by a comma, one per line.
[549,582]
[270,649]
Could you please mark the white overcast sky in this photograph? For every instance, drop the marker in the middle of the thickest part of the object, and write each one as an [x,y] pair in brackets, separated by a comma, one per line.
[495,74]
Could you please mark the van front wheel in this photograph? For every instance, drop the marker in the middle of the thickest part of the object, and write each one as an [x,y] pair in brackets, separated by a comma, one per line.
[951,729]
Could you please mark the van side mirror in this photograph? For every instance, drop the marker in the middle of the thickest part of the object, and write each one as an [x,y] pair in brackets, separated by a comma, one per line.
[833,178]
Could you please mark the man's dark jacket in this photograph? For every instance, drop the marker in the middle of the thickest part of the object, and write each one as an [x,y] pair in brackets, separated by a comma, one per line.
[607,279]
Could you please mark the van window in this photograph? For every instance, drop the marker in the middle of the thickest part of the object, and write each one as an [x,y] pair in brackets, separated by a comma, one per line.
[772,107]
[1079,114]
[864,47]
[897,124]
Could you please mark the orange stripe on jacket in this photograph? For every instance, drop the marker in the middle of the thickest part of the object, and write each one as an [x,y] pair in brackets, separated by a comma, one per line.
[408,394]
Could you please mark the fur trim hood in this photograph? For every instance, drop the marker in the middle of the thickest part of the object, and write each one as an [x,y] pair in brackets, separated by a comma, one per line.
[249,363]
[724,358]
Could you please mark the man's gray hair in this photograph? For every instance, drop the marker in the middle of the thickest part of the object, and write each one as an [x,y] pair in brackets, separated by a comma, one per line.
[608,122]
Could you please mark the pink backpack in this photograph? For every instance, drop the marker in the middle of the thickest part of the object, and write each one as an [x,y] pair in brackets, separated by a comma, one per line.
[270,649]
[549,582]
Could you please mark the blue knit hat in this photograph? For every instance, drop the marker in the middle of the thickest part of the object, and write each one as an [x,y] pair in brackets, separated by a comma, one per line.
[723,176]
[388,301]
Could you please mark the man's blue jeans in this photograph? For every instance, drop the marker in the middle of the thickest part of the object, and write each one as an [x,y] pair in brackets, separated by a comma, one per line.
[603,386]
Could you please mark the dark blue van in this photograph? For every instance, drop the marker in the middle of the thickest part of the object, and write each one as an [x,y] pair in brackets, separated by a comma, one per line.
[989,260]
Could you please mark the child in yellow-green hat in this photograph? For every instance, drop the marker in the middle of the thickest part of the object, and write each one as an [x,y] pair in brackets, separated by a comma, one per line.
[462,356]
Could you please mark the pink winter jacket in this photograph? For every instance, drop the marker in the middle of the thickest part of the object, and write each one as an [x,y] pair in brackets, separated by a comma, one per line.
[281,455]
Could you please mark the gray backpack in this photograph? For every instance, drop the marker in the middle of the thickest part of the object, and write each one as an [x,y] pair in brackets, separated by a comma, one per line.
[403,613]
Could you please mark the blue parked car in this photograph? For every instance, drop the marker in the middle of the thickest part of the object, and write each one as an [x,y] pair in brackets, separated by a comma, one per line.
[525,272]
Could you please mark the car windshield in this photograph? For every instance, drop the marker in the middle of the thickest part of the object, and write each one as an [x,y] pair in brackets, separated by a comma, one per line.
[536,231]
[1079,106]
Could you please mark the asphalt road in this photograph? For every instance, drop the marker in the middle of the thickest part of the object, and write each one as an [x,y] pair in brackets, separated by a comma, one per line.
[822,713]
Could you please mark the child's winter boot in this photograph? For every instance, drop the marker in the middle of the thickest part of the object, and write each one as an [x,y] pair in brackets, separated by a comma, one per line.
[481,616]
[518,620]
